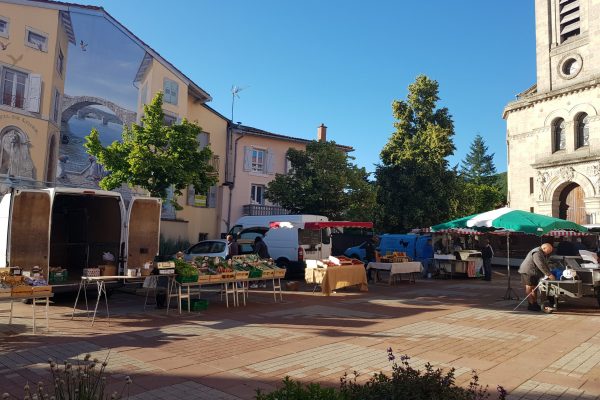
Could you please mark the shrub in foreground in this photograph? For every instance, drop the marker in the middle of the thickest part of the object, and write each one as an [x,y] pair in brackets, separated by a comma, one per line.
[405,383]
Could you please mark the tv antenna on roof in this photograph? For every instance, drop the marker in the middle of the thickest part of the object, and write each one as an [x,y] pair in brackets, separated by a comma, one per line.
[234,93]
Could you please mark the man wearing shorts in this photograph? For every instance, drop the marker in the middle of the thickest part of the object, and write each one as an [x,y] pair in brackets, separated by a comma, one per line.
[532,269]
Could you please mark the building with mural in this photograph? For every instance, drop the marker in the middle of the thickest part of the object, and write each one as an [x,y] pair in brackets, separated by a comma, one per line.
[553,128]
[68,68]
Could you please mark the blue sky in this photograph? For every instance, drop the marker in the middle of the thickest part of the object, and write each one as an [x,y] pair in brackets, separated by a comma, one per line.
[343,62]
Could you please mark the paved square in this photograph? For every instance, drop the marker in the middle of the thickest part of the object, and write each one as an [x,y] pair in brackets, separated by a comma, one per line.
[227,353]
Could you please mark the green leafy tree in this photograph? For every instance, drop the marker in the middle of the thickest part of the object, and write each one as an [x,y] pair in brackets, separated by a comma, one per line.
[478,166]
[154,156]
[323,181]
[416,187]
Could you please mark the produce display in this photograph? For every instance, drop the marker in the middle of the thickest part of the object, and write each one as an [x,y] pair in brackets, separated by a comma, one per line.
[18,285]
[213,269]
[337,261]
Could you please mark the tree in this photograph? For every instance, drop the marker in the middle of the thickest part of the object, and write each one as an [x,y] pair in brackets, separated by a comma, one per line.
[478,166]
[154,156]
[415,186]
[322,181]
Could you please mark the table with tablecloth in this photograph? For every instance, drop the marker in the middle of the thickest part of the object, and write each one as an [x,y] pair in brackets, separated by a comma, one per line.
[337,277]
[396,269]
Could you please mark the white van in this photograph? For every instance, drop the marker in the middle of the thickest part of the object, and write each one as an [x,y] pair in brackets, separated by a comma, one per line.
[72,228]
[288,246]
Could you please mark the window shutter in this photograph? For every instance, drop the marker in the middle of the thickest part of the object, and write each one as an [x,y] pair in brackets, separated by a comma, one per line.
[247,158]
[174,92]
[212,197]
[270,162]
[34,93]
[288,165]
[191,192]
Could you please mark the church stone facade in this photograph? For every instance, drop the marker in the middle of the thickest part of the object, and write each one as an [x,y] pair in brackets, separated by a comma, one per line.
[553,128]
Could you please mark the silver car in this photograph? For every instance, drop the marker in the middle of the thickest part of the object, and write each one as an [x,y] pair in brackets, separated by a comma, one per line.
[214,248]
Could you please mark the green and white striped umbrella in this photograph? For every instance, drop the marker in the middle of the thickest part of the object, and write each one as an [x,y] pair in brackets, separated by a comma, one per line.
[509,220]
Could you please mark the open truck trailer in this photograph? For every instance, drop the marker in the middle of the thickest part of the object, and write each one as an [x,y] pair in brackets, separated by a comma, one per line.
[73,228]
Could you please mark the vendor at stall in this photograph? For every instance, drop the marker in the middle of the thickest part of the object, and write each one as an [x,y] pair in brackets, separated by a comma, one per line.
[535,264]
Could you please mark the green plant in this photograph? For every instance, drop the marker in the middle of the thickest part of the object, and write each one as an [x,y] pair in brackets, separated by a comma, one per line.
[293,390]
[184,269]
[83,381]
[405,383]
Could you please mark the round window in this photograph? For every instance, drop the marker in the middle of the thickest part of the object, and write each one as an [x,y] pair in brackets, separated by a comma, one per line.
[570,66]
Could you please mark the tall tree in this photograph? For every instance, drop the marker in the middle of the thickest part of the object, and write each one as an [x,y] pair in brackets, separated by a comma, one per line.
[478,166]
[416,188]
[154,156]
[323,181]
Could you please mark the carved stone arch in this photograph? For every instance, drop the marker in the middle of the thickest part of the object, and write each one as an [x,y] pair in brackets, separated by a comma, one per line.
[582,108]
[15,158]
[559,113]
[566,176]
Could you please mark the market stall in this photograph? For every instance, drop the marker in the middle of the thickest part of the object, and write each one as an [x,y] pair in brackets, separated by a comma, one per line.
[396,270]
[336,273]
[18,285]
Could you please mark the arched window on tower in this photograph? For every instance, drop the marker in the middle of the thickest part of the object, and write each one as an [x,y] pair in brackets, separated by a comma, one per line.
[583,130]
[559,135]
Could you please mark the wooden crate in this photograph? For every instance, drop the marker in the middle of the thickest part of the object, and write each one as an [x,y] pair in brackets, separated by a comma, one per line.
[228,275]
[216,277]
[5,292]
[242,274]
[268,273]
[23,290]
[278,273]
[203,278]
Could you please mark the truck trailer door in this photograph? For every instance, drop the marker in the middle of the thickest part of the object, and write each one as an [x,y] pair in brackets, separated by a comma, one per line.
[25,216]
[143,230]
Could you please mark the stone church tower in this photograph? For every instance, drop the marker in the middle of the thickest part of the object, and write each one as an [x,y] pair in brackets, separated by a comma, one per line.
[553,128]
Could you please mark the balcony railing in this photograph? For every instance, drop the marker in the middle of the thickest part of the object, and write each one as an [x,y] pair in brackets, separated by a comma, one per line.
[259,209]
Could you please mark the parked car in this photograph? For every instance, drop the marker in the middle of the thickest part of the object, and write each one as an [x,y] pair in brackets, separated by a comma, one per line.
[213,248]
[359,252]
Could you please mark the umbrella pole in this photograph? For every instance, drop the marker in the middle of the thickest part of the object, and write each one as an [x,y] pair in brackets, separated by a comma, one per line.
[508,295]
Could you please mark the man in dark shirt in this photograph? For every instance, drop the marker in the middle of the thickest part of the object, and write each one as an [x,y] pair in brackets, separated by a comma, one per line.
[369,256]
[535,264]
[487,253]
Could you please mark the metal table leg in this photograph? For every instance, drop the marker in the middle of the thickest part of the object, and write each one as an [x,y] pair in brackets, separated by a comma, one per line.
[33,308]
[11,311]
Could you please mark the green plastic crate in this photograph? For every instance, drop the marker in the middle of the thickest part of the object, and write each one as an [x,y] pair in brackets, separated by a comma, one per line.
[196,305]
[58,277]
[255,273]
[186,279]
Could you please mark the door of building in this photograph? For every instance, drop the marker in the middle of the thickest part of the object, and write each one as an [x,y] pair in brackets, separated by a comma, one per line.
[572,207]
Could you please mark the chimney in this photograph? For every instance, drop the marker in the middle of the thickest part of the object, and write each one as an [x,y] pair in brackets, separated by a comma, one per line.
[322,133]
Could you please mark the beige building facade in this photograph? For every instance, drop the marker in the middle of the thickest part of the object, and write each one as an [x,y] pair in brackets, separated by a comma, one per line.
[553,128]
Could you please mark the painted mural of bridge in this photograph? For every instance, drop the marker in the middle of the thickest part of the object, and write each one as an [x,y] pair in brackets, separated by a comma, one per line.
[73,105]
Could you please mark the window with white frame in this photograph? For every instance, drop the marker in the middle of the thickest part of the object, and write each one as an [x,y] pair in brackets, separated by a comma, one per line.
[36,39]
[258,160]
[13,88]
[4,23]
[60,62]
[170,91]
[257,194]
[56,106]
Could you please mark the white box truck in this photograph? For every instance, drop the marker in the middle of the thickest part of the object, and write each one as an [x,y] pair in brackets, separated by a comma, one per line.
[73,228]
